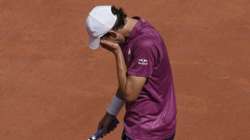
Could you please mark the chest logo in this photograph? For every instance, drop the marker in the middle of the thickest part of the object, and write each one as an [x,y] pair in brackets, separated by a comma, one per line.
[142,61]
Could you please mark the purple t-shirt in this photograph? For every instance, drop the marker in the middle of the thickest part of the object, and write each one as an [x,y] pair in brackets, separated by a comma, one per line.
[153,115]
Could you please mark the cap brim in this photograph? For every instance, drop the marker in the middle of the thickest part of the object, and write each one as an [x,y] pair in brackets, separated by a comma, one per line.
[94,43]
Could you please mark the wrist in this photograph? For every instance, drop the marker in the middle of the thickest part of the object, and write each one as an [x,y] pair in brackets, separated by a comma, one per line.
[115,106]
[117,51]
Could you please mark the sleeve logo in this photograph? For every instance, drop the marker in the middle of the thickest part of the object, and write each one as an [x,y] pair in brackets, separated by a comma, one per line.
[142,61]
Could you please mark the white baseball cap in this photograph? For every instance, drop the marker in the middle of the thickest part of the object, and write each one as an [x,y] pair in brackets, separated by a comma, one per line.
[99,22]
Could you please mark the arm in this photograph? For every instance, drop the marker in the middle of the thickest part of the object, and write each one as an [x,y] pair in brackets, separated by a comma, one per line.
[130,86]
[129,89]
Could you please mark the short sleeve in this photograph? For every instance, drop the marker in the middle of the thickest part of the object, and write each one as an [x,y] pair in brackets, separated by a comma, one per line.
[144,54]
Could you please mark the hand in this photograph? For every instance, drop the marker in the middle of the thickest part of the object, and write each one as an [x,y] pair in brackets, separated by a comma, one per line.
[110,46]
[108,123]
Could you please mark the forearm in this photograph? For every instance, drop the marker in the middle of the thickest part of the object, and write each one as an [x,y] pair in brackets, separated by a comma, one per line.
[121,73]
[130,86]
[120,97]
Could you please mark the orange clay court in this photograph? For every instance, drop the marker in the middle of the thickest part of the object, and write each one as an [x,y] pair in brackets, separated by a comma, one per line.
[53,87]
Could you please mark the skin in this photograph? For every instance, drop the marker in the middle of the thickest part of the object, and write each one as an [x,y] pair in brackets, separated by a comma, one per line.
[129,86]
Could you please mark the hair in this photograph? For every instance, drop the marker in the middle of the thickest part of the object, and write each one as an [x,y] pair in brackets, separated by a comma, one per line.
[121,17]
[120,21]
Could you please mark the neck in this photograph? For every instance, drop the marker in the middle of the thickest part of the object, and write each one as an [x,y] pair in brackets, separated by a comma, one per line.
[130,24]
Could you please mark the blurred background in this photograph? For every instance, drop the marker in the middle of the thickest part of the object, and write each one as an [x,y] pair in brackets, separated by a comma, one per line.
[52,87]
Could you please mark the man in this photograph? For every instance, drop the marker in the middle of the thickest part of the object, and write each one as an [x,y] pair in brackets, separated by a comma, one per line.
[143,72]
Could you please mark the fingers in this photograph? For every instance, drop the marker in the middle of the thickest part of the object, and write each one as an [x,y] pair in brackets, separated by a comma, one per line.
[108,130]
[109,127]
[109,43]
[106,42]
[107,124]
[107,48]
[101,123]
[105,131]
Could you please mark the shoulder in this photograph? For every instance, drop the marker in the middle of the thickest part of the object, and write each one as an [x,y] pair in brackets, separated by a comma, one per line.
[144,42]
[145,46]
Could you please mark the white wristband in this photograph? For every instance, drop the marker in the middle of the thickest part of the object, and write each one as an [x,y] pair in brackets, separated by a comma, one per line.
[115,106]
